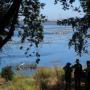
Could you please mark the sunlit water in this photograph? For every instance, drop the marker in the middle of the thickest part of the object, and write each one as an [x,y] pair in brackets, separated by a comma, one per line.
[54,50]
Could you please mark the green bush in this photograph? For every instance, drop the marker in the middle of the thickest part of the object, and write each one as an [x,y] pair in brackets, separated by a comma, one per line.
[7,73]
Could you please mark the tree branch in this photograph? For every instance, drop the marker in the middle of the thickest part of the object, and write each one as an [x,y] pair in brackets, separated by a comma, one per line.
[12,13]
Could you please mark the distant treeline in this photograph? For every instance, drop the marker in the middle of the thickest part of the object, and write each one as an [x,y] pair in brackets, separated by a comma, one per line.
[50,22]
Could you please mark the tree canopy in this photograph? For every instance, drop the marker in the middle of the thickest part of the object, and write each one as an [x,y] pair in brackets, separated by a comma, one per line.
[80,25]
[30,10]
[8,17]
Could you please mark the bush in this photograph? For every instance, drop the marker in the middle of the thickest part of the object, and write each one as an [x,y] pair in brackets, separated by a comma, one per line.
[7,73]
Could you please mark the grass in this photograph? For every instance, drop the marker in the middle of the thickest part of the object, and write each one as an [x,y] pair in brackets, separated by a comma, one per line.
[18,83]
[44,79]
[48,78]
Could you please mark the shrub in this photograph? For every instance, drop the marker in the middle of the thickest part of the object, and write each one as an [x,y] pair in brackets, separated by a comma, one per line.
[7,73]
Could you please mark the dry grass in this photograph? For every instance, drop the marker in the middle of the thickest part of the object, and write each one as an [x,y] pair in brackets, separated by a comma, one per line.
[2,80]
[44,79]
[19,83]
[48,78]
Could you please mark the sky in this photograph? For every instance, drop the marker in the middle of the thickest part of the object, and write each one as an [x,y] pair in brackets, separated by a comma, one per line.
[54,12]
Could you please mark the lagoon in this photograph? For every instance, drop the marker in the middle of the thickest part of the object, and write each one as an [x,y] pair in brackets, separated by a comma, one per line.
[54,50]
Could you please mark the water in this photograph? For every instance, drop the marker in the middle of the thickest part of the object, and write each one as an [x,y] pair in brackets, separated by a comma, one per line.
[54,49]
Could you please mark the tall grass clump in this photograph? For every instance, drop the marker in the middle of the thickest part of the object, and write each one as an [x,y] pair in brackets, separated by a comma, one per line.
[48,78]
[7,73]
[41,78]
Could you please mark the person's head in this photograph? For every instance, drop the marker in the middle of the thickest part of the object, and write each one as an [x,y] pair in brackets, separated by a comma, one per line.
[88,63]
[1,38]
[77,60]
[68,64]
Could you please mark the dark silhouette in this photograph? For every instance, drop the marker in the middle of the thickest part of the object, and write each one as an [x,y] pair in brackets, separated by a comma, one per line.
[68,71]
[9,18]
[77,74]
[7,73]
[87,71]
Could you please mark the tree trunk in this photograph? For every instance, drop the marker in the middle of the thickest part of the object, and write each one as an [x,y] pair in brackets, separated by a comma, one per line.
[10,17]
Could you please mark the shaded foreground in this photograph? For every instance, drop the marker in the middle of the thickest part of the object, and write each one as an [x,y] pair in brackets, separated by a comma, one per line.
[44,79]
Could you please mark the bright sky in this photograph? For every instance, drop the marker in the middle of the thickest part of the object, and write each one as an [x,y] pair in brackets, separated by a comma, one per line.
[54,12]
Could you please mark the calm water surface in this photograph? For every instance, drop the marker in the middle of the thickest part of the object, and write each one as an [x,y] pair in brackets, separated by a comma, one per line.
[54,49]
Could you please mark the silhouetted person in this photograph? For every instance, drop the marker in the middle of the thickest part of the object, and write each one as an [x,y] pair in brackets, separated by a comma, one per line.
[68,72]
[87,83]
[1,40]
[77,74]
